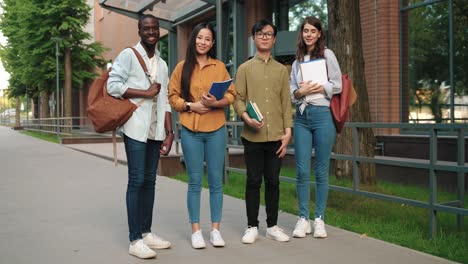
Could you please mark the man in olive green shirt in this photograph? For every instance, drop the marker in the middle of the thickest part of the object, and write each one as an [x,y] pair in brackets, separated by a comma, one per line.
[265,82]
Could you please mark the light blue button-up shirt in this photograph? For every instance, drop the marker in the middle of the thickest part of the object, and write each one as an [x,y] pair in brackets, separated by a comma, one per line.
[127,72]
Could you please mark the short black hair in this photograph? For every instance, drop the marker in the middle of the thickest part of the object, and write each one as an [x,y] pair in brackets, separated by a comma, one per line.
[261,24]
[143,17]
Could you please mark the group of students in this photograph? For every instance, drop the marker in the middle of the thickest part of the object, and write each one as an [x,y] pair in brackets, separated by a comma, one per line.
[263,80]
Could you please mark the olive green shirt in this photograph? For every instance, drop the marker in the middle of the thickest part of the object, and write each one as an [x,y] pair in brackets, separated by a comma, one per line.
[267,85]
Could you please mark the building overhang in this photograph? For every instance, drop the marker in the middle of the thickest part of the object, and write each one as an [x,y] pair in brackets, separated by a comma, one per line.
[170,13]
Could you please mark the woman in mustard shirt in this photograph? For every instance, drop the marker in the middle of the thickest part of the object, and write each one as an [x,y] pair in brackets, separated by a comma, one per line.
[203,121]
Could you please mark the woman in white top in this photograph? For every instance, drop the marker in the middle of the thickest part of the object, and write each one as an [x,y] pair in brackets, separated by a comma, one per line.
[313,125]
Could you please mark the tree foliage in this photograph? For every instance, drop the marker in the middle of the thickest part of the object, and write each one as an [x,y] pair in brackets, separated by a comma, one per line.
[317,8]
[460,14]
[31,27]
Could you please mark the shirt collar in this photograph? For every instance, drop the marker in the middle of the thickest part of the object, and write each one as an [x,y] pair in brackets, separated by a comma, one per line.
[263,59]
[210,61]
[142,51]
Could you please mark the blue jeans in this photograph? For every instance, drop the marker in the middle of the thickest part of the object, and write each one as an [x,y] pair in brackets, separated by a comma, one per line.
[313,129]
[142,159]
[198,147]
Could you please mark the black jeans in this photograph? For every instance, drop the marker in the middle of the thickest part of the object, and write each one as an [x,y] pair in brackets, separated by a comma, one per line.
[262,161]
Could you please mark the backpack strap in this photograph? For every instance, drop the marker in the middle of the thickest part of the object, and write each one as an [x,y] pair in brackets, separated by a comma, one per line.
[145,70]
[142,63]
[114,146]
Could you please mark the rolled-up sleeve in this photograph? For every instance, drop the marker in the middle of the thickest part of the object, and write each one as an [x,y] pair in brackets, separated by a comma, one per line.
[168,106]
[285,100]
[166,93]
[230,94]
[116,84]
[241,90]
[293,85]
[333,86]
[176,101]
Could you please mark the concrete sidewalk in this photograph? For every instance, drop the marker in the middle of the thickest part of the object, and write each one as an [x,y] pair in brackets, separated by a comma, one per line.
[64,206]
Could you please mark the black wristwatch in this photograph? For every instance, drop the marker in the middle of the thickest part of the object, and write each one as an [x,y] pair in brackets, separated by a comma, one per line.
[169,132]
[187,107]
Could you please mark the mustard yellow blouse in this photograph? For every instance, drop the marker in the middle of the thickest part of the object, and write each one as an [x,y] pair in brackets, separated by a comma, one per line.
[213,71]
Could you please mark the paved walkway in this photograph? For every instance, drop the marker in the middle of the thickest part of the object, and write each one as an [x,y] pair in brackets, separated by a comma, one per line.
[60,206]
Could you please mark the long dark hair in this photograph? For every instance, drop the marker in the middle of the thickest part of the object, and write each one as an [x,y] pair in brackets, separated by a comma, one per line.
[301,48]
[191,59]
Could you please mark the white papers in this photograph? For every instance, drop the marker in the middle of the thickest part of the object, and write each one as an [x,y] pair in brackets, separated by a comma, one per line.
[316,72]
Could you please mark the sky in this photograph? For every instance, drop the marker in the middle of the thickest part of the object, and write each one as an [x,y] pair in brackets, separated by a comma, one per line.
[4,76]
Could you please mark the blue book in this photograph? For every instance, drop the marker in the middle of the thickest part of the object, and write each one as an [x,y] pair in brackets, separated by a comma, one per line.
[219,88]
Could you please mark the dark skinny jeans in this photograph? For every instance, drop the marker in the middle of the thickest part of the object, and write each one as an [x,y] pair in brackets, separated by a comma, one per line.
[262,161]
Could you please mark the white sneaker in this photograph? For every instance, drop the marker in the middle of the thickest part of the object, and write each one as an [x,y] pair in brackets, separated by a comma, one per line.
[250,235]
[319,228]
[141,250]
[216,239]
[155,242]
[277,234]
[197,240]
[302,228]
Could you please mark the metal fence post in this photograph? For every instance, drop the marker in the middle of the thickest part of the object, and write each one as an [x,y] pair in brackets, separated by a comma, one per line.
[432,183]
[355,150]
[460,175]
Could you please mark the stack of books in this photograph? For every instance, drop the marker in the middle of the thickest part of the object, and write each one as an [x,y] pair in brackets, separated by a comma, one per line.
[254,112]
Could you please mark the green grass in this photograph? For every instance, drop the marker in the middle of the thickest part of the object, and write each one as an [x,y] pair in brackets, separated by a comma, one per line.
[44,136]
[389,221]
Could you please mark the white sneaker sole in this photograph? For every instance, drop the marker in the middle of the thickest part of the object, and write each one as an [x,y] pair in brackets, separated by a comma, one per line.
[320,235]
[276,239]
[249,242]
[159,247]
[144,257]
[218,244]
[199,246]
[296,235]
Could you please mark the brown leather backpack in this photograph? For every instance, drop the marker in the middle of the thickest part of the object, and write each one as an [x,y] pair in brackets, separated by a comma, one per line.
[108,113]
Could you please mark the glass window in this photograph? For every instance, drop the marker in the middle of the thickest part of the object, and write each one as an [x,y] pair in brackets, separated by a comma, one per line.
[426,69]
[460,57]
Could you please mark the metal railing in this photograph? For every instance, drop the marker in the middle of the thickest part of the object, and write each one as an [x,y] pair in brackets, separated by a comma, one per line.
[81,126]
[63,127]
[433,165]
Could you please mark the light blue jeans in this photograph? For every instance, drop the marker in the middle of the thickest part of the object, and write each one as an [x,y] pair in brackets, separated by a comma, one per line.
[209,147]
[313,129]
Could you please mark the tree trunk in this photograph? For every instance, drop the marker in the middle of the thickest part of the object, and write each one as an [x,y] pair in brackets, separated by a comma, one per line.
[44,105]
[67,90]
[346,42]
[35,107]
[18,113]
